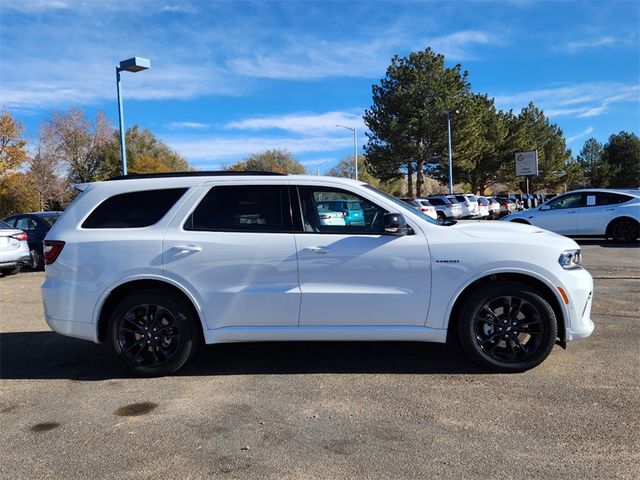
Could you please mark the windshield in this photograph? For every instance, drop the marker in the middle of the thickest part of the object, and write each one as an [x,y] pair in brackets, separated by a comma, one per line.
[402,205]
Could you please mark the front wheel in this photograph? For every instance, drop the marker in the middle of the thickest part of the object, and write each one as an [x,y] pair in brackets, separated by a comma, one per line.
[152,333]
[507,327]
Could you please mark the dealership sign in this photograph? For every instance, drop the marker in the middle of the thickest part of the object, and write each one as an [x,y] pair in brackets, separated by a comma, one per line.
[526,163]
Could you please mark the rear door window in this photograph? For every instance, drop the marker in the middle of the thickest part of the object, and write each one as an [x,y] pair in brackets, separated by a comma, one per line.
[607,198]
[243,208]
[134,209]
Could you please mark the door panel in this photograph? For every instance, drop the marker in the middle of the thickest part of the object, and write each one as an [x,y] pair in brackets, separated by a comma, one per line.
[562,215]
[238,253]
[355,275]
[363,280]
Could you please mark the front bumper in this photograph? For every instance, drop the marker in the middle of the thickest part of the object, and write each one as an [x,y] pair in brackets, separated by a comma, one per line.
[579,288]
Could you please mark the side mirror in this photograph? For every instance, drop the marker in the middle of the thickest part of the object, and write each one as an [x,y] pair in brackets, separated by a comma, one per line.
[395,224]
[544,207]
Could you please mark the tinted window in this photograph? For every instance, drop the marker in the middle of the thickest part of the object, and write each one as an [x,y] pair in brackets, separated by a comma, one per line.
[611,198]
[436,201]
[133,210]
[26,224]
[452,200]
[425,203]
[472,198]
[4,224]
[245,208]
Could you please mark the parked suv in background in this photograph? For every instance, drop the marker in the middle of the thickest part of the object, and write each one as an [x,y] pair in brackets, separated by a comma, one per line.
[469,204]
[35,225]
[444,208]
[152,264]
[605,213]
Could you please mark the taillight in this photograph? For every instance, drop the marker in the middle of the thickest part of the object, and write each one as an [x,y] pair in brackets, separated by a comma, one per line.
[20,236]
[51,250]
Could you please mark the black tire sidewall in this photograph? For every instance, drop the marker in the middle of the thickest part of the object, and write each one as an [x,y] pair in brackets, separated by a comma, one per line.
[466,329]
[620,239]
[183,315]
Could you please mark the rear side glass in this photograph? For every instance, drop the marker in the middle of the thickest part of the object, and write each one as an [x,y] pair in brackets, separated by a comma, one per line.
[611,198]
[133,209]
[243,208]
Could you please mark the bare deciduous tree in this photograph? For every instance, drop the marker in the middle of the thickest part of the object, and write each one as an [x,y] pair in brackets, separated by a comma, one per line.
[71,139]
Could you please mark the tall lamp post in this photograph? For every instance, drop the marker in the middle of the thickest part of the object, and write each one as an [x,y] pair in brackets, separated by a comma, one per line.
[450,156]
[134,65]
[318,168]
[355,145]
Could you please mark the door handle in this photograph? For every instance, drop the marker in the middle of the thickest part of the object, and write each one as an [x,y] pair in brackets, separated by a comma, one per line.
[317,250]
[186,248]
[610,209]
[571,212]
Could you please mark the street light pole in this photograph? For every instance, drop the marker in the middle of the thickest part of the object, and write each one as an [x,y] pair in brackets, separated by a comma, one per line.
[318,167]
[135,64]
[123,150]
[355,145]
[450,155]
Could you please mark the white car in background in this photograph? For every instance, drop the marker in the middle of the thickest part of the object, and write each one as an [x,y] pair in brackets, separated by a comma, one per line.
[423,206]
[152,265]
[607,213]
[483,207]
[14,249]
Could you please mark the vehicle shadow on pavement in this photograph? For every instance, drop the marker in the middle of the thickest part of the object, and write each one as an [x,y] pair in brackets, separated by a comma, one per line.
[605,243]
[48,356]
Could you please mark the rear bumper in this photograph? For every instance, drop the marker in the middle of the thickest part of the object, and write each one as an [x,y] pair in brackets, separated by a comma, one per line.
[83,331]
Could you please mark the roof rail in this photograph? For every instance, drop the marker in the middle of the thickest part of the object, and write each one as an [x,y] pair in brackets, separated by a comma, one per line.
[217,173]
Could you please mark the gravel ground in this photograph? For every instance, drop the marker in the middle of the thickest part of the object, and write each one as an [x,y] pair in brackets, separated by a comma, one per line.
[334,410]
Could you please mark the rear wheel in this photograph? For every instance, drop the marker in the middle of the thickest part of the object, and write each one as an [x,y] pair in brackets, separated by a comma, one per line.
[9,271]
[152,333]
[508,327]
[35,261]
[624,230]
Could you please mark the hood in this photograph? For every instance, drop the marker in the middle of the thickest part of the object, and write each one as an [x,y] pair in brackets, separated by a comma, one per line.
[512,232]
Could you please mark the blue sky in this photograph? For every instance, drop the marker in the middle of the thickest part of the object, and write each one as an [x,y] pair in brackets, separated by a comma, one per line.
[232,78]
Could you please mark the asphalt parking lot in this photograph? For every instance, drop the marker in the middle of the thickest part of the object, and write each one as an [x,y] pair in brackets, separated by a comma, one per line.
[334,410]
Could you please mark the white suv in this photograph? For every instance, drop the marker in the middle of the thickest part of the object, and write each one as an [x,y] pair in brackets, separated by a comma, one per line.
[153,264]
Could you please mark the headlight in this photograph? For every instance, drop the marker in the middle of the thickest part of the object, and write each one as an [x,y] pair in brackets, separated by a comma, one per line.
[570,259]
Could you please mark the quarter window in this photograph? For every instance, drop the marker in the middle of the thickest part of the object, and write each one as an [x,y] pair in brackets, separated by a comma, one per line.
[610,198]
[245,208]
[134,209]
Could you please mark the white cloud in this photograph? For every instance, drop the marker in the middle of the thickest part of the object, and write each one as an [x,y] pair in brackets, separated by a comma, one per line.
[460,45]
[224,149]
[306,124]
[582,100]
[579,45]
[580,135]
[186,125]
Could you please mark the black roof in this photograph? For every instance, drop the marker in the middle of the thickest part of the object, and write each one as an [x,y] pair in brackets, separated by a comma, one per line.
[218,173]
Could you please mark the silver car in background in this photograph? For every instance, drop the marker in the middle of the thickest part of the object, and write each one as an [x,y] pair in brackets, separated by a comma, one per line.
[14,249]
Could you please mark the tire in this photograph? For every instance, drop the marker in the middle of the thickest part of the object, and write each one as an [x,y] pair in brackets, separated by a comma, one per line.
[35,261]
[9,271]
[132,338]
[494,337]
[624,230]
[441,216]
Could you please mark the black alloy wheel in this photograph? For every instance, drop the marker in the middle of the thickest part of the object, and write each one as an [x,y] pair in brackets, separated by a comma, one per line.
[152,333]
[624,230]
[508,327]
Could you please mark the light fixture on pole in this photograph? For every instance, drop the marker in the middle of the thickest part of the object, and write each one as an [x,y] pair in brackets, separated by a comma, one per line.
[355,145]
[133,65]
[450,156]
